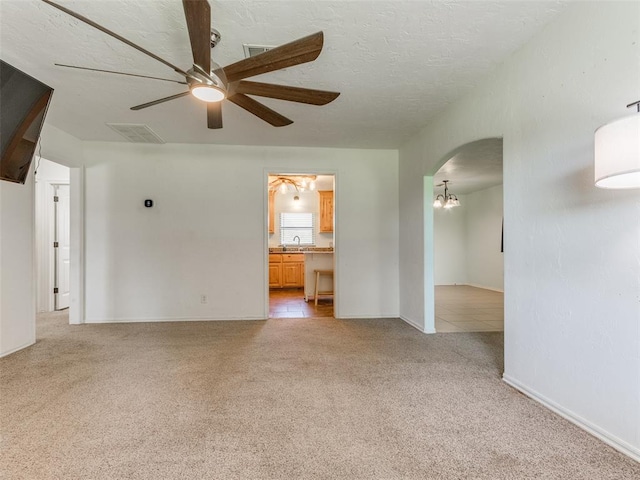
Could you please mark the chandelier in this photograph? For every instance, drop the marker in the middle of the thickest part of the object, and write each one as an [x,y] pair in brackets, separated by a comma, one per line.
[448,200]
[298,183]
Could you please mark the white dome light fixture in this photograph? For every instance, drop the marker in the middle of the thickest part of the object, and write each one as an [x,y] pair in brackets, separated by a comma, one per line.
[617,152]
[208,87]
[208,93]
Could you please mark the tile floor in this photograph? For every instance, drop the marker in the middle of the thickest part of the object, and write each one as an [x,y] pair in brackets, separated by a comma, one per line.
[289,303]
[461,308]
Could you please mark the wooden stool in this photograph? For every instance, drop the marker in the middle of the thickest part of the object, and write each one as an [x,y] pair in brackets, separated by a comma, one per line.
[317,292]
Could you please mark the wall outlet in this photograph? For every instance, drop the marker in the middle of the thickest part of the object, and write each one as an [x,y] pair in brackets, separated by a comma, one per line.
[203,299]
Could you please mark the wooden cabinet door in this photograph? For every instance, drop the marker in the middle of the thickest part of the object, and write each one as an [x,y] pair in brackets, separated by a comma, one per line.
[272,214]
[275,275]
[290,274]
[326,211]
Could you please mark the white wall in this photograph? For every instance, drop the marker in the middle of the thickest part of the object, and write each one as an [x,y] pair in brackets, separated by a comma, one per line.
[483,221]
[206,234]
[466,241]
[450,244]
[572,329]
[48,173]
[309,201]
[17,266]
[17,247]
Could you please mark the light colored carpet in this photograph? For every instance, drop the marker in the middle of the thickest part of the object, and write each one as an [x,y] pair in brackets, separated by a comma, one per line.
[282,399]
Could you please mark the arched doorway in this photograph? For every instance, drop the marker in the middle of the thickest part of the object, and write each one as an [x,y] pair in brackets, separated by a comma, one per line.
[464,276]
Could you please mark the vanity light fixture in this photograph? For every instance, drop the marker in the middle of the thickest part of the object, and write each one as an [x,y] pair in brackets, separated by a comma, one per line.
[617,152]
[448,200]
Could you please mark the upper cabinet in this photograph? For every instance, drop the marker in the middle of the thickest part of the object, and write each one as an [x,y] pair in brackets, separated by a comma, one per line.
[326,211]
[272,211]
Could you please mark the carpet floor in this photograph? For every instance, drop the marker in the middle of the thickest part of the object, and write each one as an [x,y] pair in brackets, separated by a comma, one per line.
[279,399]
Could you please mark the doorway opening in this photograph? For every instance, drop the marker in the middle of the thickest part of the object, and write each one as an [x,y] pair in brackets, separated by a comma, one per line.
[468,266]
[52,236]
[301,237]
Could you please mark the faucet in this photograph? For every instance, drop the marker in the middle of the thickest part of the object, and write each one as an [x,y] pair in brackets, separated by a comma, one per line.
[294,239]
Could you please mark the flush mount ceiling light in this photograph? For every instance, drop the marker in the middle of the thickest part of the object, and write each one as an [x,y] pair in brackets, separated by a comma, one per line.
[208,88]
[617,152]
[296,182]
[448,200]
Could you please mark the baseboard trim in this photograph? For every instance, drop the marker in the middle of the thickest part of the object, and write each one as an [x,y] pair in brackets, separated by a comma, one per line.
[170,319]
[611,440]
[416,326]
[485,287]
[364,317]
[4,354]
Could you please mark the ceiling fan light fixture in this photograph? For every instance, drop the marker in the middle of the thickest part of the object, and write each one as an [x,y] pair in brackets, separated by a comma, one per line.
[208,93]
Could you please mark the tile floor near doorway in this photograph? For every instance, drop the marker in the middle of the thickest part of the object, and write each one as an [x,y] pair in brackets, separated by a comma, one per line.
[461,308]
[289,303]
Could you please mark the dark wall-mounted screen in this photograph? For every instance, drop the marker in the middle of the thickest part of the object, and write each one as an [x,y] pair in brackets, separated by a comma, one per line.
[23,106]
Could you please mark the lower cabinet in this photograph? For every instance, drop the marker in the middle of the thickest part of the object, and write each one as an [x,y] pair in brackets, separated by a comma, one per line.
[286,270]
[275,275]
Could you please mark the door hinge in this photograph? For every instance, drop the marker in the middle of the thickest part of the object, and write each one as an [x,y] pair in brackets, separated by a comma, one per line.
[55,290]
[55,198]
[55,244]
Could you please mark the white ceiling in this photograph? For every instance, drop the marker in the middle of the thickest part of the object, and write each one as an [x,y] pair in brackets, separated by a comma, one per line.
[474,167]
[396,63]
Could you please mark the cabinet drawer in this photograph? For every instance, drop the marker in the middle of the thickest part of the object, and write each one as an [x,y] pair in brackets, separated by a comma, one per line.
[293,257]
[275,258]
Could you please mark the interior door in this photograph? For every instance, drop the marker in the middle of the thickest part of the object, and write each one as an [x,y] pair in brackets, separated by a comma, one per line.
[61,247]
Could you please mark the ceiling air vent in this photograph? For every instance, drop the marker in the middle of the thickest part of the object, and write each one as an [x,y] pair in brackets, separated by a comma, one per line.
[253,50]
[136,133]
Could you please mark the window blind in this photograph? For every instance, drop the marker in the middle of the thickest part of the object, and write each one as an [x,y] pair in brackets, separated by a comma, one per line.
[296,224]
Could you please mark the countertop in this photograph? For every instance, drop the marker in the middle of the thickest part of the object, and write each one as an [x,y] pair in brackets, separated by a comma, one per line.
[300,250]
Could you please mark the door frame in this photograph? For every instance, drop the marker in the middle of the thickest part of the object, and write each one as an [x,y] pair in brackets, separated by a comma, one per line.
[265,230]
[46,278]
[56,237]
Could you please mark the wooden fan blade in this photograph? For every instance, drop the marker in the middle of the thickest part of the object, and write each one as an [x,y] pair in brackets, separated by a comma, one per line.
[198,15]
[160,100]
[299,51]
[284,92]
[214,115]
[260,110]
[119,73]
[114,35]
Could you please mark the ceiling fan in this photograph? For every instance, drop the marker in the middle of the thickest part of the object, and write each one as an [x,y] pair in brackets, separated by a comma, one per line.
[212,84]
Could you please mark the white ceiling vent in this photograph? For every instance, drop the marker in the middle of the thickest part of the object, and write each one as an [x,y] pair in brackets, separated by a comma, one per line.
[136,133]
[253,50]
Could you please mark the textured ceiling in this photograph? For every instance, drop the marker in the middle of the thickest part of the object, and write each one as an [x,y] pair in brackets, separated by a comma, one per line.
[474,167]
[396,63]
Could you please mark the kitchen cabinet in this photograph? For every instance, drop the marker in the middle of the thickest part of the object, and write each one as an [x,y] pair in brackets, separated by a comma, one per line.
[275,275]
[326,211]
[286,270]
[272,212]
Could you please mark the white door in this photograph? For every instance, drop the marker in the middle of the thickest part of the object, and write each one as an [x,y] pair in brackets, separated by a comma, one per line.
[61,247]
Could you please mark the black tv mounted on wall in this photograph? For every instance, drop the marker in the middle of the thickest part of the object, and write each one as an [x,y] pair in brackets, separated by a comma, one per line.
[23,106]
